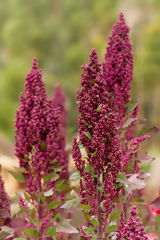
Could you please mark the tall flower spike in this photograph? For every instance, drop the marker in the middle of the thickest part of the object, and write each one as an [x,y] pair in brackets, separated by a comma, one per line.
[58,100]
[118,67]
[37,130]
[4,202]
[98,134]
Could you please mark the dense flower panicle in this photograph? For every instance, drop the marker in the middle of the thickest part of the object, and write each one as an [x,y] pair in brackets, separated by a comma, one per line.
[133,229]
[37,130]
[118,67]
[91,97]
[98,134]
[4,201]
[58,100]
[76,154]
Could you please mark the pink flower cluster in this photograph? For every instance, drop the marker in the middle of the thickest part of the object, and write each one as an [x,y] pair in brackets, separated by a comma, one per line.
[4,202]
[118,67]
[58,100]
[133,229]
[99,136]
[38,129]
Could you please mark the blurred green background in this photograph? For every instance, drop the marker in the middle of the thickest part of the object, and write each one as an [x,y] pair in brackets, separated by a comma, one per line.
[61,33]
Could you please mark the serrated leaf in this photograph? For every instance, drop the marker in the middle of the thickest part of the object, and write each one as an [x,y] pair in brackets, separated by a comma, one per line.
[66,227]
[19,177]
[75,177]
[73,203]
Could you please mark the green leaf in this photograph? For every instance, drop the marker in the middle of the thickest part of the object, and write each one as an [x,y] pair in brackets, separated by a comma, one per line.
[57,168]
[99,108]
[47,177]
[53,161]
[51,232]
[131,106]
[33,213]
[43,146]
[128,122]
[54,177]
[61,187]
[89,126]
[21,169]
[121,178]
[111,228]
[100,188]
[26,196]
[80,145]
[15,198]
[56,204]
[86,207]
[49,193]
[71,203]
[118,185]
[19,177]
[75,177]
[114,216]
[94,222]
[29,232]
[89,230]
[87,134]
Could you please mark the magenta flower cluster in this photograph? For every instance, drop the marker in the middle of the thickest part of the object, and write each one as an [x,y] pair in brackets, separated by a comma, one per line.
[118,67]
[133,229]
[38,143]
[99,136]
[58,100]
[4,202]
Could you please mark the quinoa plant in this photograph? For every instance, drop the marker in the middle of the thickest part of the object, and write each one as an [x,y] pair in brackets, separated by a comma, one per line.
[109,168]
[43,160]
[110,171]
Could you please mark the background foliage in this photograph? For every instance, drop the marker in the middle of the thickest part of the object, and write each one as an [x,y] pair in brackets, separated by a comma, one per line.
[60,33]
